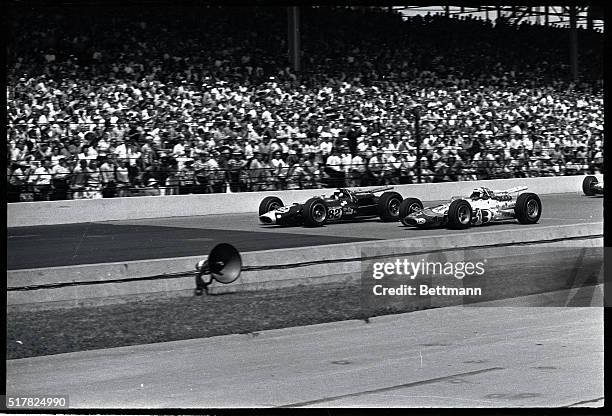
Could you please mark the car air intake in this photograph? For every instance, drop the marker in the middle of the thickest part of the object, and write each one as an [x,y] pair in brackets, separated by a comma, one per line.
[265,219]
[411,221]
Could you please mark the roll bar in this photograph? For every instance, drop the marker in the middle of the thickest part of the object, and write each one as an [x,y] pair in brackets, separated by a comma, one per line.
[375,190]
[513,190]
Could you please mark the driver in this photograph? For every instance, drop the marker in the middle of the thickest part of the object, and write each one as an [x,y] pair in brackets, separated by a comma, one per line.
[346,193]
[480,193]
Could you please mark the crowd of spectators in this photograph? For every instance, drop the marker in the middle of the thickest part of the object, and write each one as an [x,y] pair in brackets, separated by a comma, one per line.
[176,101]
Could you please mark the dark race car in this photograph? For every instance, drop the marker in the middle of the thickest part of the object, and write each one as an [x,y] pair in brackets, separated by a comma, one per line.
[591,186]
[342,205]
[483,206]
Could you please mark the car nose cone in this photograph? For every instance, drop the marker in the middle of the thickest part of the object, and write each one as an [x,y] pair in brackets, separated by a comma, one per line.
[411,220]
[268,218]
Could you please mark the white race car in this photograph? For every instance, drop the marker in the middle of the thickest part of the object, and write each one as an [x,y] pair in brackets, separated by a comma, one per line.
[591,186]
[483,206]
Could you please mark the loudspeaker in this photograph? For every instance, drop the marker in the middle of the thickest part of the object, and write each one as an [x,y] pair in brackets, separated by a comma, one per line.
[224,265]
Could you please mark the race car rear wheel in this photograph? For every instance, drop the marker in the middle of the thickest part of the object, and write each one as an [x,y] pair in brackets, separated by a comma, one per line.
[528,208]
[407,207]
[269,203]
[459,214]
[389,206]
[315,212]
[587,185]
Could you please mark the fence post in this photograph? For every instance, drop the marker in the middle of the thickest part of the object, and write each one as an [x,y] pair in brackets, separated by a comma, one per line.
[417,136]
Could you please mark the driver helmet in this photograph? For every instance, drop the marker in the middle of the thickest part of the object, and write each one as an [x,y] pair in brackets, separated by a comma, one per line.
[350,195]
[478,193]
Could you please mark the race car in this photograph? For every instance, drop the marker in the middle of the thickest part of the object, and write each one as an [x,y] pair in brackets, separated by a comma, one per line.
[343,205]
[483,206]
[591,186]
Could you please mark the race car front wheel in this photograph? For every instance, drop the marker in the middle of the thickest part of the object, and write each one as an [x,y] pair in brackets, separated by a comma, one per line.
[407,207]
[528,208]
[587,185]
[315,212]
[389,206]
[459,214]
[269,203]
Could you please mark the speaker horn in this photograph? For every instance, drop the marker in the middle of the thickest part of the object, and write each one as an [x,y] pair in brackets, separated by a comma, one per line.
[224,265]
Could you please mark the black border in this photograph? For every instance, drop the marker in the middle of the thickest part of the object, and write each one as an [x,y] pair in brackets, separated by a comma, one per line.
[16,5]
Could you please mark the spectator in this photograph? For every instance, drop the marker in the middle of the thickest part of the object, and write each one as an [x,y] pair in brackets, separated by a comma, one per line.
[61,179]
[172,180]
[187,179]
[312,171]
[122,178]
[346,159]
[155,101]
[152,188]
[376,169]
[78,183]
[93,189]
[333,167]
[358,170]
[279,170]
[41,180]
[256,170]
[17,181]
[108,178]
[235,167]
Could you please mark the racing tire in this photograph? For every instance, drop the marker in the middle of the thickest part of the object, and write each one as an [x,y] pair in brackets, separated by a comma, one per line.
[315,212]
[389,206]
[587,185]
[459,214]
[407,206]
[269,203]
[528,208]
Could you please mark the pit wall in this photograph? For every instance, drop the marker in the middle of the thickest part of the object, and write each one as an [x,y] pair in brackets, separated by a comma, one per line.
[25,214]
[100,283]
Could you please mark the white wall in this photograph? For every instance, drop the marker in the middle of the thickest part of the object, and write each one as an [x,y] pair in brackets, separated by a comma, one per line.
[75,211]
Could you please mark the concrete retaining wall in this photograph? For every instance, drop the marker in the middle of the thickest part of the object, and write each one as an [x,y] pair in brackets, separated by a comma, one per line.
[329,263]
[75,211]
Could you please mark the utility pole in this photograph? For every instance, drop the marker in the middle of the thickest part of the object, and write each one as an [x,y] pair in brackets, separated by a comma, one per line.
[573,42]
[293,36]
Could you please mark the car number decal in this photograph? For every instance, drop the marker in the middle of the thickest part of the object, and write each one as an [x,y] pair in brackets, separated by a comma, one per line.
[482,216]
[335,212]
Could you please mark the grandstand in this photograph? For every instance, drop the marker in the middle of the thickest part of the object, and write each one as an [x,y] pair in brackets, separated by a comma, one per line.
[112,101]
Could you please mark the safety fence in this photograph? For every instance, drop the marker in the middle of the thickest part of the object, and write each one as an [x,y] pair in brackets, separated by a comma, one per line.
[96,182]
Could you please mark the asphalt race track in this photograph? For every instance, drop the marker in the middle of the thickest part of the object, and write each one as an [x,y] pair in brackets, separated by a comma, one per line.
[114,241]
[495,356]
[509,354]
